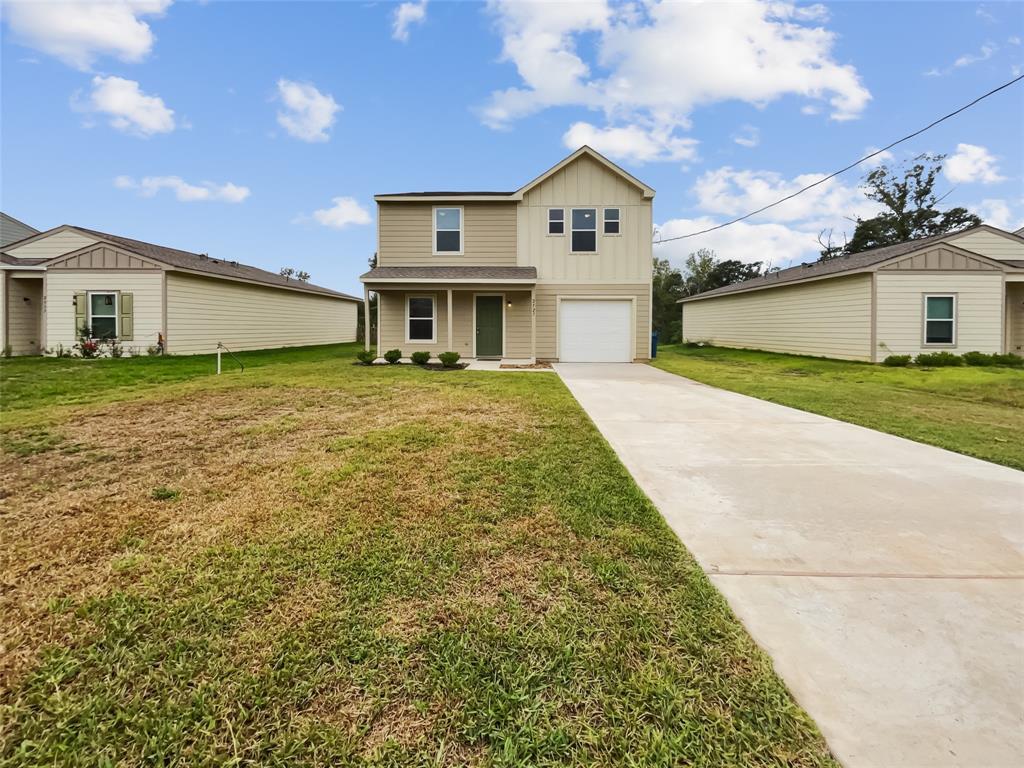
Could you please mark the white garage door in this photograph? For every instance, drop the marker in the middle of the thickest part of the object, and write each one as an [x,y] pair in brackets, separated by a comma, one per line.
[594,331]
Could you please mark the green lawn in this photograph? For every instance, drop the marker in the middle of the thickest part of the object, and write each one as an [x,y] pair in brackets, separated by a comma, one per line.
[976,411]
[317,563]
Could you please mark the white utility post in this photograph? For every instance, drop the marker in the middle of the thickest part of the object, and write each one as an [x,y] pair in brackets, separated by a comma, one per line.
[219,347]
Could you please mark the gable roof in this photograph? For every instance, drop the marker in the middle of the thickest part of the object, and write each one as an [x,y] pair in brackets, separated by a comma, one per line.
[648,192]
[182,260]
[851,264]
[12,230]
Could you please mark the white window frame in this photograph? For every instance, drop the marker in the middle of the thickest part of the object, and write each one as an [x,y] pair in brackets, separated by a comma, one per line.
[925,319]
[563,222]
[434,230]
[604,221]
[117,311]
[597,230]
[433,318]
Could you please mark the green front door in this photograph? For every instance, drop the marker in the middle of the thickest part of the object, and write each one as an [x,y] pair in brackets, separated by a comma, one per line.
[488,326]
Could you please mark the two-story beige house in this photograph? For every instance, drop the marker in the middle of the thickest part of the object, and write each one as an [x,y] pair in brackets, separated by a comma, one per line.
[559,269]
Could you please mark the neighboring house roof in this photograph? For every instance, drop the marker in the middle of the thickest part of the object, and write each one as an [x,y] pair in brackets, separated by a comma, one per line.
[647,191]
[840,265]
[188,261]
[12,230]
[450,274]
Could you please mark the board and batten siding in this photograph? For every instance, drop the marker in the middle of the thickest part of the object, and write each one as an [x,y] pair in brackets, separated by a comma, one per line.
[52,245]
[203,311]
[991,244]
[547,295]
[406,232]
[146,287]
[900,311]
[824,318]
[624,258]
[392,306]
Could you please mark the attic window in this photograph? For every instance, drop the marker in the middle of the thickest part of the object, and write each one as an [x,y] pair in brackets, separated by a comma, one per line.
[584,230]
[556,221]
[448,231]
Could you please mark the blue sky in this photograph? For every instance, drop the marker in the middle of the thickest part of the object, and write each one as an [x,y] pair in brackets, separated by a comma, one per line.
[259,131]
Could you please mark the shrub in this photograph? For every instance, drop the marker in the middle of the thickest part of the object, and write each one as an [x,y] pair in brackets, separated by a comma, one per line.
[393,356]
[421,357]
[897,361]
[978,358]
[1010,360]
[938,359]
[366,356]
[449,359]
[163,493]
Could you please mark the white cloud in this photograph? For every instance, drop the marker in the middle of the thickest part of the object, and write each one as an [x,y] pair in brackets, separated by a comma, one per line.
[986,52]
[877,160]
[971,163]
[747,136]
[129,109]
[206,191]
[730,192]
[1005,214]
[631,143]
[344,212]
[657,62]
[308,114]
[405,16]
[773,244]
[78,33]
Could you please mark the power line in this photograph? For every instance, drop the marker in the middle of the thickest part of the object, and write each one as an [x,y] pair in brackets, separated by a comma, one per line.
[844,170]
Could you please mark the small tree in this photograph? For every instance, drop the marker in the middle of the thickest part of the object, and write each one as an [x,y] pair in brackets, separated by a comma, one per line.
[287,273]
[667,290]
[302,276]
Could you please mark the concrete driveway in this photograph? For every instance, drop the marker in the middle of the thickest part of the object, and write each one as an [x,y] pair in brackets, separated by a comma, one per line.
[884,577]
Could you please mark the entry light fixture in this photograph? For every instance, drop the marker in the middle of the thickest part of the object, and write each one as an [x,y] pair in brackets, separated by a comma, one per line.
[508,304]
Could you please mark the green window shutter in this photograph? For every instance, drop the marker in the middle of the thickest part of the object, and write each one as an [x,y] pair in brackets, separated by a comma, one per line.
[127,308]
[80,303]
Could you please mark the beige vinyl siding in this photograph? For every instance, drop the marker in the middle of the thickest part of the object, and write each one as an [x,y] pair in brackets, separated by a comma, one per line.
[824,318]
[393,313]
[547,313]
[1015,317]
[406,232]
[147,298]
[24,315]
[992,244]
[203,311]
[900,313]
[623,259]
[52,245]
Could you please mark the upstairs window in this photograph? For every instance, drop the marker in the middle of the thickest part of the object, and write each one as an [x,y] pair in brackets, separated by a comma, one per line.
[419,319]
[448,231]
[556,221]
[940,319]
[611,221]
[103,315]
[584,230]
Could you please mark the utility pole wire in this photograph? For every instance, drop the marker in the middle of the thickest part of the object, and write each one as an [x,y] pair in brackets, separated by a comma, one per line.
[843,170]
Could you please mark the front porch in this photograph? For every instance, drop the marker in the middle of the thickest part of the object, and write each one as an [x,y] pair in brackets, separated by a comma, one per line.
[486,313]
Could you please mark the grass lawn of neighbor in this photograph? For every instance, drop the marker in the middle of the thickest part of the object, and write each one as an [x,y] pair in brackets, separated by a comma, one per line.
[315,563]
[978,411]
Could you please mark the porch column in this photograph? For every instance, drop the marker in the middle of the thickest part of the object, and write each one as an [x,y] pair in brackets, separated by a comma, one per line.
[366,318]
[451,344]
[533,324]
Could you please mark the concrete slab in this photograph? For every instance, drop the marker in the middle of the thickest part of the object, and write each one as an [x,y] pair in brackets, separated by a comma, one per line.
[885,577]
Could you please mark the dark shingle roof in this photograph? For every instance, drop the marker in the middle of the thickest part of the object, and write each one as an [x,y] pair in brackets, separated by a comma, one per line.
[202,263]
[445,194]
[834,266]
[1014,263]
[450,273]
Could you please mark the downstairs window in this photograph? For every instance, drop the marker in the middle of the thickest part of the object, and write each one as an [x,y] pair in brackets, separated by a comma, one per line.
[940,319]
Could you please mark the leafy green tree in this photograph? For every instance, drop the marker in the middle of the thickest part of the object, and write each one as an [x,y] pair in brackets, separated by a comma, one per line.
[704,271]
[910,206]
[667,290]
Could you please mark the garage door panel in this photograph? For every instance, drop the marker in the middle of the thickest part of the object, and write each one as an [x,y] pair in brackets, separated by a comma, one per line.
[595,331]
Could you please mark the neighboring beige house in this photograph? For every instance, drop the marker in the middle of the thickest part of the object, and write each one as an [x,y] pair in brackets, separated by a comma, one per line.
[957,292]
[56,283]
[559,269]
